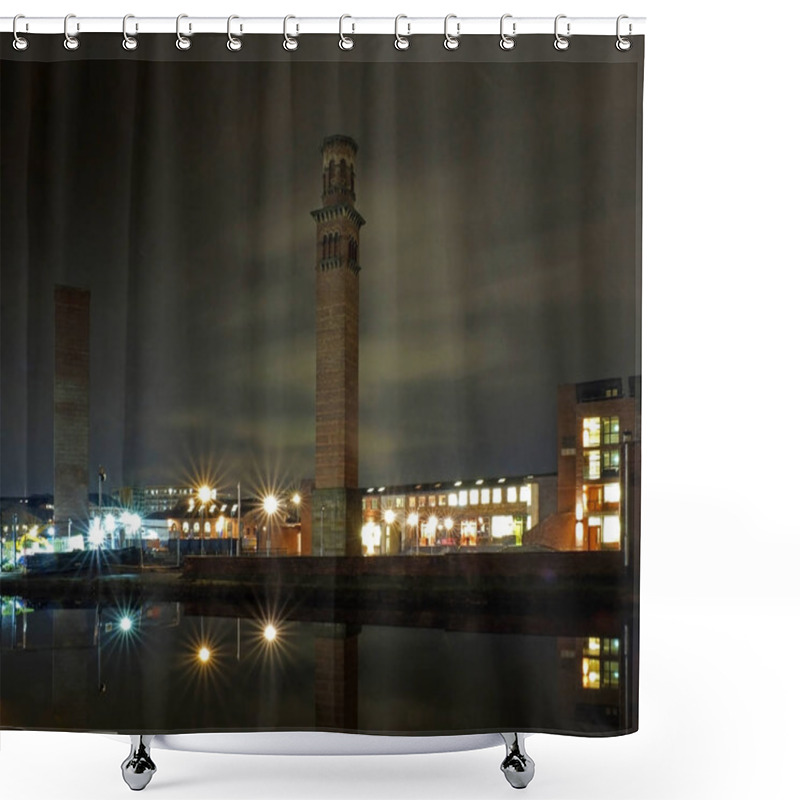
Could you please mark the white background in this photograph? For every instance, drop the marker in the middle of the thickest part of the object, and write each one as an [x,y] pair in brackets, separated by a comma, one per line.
[720,605]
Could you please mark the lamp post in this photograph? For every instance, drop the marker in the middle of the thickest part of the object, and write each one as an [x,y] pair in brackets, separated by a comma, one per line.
[390,517]
[204,494]
[413,521]
[271,506]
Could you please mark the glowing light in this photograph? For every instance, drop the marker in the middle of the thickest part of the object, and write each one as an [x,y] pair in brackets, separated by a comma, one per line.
[271,504]
[611,492]
[448,524]
[270,633]
[51,531]
[579,511]
[390,516]
[96,535]
[413,519]
[204,654]
[125,624]
[109,523]
[296,498]
[204,494]
[457,483]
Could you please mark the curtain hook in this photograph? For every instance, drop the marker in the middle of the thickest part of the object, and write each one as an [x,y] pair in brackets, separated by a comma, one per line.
[561,42]
[401,42]
[623,43]
[451,42]
[346,42]
[290,42]
[507,41]
[71,42]
[129,42]
[20,42]
[182,42]
[234,42]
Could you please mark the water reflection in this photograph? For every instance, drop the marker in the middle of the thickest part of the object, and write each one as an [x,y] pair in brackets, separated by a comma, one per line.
[176,666]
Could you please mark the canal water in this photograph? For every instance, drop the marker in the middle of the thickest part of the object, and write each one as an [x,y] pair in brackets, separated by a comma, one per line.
[173,667]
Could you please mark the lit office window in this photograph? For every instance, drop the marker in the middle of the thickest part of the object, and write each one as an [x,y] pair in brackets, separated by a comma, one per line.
[610,462]
[442,500]
[485,494]
[452,499]
[462,497]
[497,495]
[611,493]
[473,497]
[591,465]
[511,494]
[525,494]
[591,431]
[611,530]
[412,502]
[432,501]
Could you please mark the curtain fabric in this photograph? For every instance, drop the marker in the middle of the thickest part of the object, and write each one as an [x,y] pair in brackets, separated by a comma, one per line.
[321,386]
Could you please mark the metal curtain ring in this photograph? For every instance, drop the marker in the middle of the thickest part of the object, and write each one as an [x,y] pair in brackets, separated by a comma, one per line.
[561,42]
[20,42]
[182,42]
[234,42]
[289,42]
[623,43]
[401,42]
[451,42]
[128,42]
[346,42]
[507,42]
[71,42]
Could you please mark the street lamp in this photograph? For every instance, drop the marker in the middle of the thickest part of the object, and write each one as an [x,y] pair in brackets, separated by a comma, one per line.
[204,494]
[271,505]
[413,521]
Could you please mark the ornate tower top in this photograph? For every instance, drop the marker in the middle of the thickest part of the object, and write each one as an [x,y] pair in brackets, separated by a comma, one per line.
[338,170]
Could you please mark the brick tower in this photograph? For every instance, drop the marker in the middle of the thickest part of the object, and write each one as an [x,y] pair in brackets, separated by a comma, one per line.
[71,411]
[336,504]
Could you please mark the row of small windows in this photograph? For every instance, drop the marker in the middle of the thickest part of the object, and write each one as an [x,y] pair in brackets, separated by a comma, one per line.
[330,247]
[465,497]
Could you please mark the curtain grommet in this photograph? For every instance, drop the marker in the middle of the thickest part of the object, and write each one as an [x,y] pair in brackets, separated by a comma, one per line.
[20,43]
[401,42]
[129,42]
[623,44]
[182,42]
[507,40]
[71,43]
[290,43]
[346,42]
[234,43]
[451,41]
[561,42]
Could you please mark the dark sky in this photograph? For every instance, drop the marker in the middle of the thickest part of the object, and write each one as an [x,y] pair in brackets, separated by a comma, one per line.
[498,260]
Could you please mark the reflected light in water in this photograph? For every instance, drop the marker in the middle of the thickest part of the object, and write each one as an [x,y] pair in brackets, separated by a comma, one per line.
[125,624]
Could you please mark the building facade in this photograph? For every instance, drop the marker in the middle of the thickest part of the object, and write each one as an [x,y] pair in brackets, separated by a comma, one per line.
[476,515]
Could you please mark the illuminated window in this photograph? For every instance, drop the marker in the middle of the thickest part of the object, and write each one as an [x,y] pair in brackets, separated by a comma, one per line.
[611,530]
[497,495]
[452,499]
[591,465]
[473,497]
[525,494]
[591,673]
[610,430]
[591,431]
[462,497]
[412,502]
[432,501]
[422,502]
[511,494]
[485,494]
[374,503]
[398,502]
[579,534]
[611,492]
[610,462]
[363,505]
[442,499]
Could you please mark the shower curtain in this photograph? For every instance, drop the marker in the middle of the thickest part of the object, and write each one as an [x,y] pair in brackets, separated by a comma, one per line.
[320,385]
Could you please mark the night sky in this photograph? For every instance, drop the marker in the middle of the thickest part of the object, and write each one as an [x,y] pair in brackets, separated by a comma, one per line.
[498,260]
